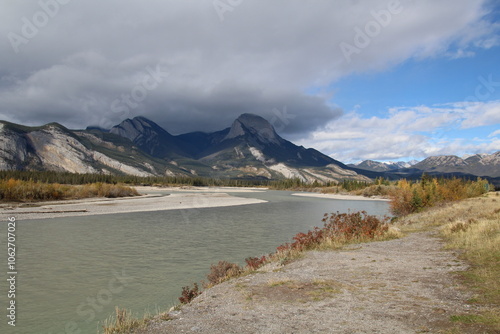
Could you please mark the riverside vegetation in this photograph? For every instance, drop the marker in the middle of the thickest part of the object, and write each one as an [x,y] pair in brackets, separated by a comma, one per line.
[465,215]
[13,190]
[432,190]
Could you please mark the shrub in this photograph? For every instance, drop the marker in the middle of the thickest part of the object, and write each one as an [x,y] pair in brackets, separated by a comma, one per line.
[338,227]
[188,293]
[19,190]
[254,262]
[222,271]
[409,197]
[123,322]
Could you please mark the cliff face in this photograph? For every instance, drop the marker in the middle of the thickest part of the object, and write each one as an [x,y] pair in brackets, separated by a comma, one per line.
[13,149]
[57,150]
[53,147]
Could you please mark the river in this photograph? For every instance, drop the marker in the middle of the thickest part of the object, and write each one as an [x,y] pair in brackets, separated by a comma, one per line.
[72,272]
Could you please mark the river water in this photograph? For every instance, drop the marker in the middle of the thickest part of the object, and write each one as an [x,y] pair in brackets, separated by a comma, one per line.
[72,272]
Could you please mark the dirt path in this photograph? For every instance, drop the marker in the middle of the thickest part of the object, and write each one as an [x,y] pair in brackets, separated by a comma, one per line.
[398,286]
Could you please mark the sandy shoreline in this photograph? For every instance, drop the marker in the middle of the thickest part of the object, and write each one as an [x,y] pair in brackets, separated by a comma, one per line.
[192,199]
[341,197]
[148,189]
[153,199]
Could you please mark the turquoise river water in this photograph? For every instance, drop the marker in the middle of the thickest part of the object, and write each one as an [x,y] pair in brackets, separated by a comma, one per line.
[72,272]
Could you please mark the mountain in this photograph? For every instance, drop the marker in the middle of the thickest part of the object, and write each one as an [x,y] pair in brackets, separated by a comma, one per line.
[149,137]
[478,165]
[53,147]
[253,135]
[250,148]
[376,166]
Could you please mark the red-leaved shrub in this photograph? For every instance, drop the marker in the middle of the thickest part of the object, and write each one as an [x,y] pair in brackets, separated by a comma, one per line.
[255,262]
[222,271]
[346,226]
[188,293]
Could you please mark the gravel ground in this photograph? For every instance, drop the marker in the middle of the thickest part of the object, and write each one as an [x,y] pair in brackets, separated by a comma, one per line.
[400,286]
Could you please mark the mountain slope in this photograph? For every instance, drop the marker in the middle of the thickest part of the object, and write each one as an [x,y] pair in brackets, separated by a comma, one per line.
[53,147]
[149,137]
[485,164]
[254,135]
[376,166]
[250,148]
[478,165]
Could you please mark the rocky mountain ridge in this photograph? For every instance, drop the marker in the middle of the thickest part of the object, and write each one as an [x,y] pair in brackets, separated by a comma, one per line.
[376,166]
[250,148]
[485,165]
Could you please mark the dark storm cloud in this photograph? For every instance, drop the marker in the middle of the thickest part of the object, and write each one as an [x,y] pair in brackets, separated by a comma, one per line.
[290,112]
[198,65]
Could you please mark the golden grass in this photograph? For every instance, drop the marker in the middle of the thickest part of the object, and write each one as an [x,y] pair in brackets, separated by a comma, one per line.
[20,191]
[277,282]
[123,322]
[473,227]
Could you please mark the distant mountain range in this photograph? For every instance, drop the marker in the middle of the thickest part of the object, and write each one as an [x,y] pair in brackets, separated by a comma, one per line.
[376,166]
[485,165]
[249,149]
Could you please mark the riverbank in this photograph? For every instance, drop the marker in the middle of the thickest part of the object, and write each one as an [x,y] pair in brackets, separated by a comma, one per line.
[415,284]
[151,200]
[398,286]
[342,197]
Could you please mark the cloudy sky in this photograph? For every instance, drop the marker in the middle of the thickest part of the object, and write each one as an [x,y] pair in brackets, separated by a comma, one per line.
[378,79]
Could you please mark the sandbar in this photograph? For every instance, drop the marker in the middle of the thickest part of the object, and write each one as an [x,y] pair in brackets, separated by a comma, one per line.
[149,202]
[148,189]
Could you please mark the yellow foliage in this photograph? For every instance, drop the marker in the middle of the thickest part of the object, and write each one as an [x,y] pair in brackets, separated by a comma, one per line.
[411,197]
[18,190]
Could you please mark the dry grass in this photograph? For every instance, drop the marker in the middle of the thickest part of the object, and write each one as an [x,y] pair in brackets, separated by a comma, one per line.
[26,191]
[123,322]
[479,236]
[278,282]
[473,227]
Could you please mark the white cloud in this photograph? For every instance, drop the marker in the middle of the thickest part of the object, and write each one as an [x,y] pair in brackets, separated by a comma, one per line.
[416,132]
[494,134]
[479,114]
